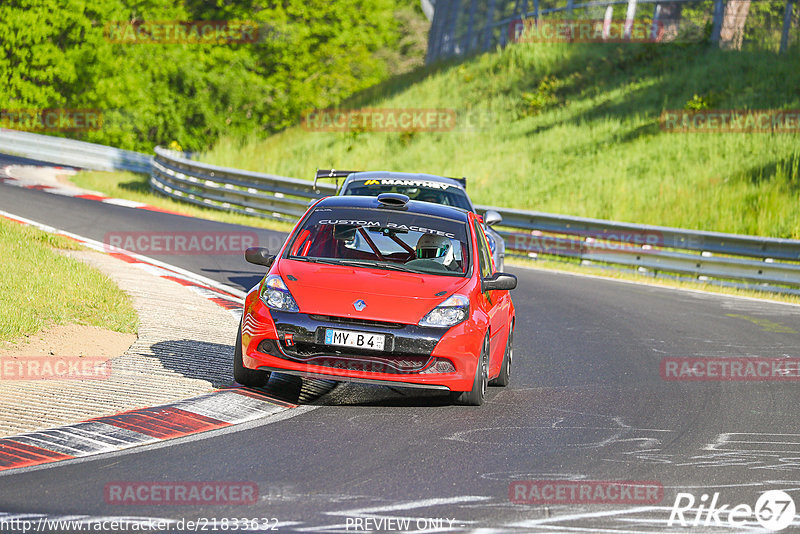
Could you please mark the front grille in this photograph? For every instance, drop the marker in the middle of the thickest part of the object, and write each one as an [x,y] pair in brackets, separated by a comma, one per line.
[355,321]
[388,364]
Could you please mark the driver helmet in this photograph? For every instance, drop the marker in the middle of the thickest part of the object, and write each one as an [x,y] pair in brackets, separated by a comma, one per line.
[436,248]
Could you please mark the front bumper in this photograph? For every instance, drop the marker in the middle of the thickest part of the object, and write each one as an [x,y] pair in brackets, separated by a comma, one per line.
[414,356]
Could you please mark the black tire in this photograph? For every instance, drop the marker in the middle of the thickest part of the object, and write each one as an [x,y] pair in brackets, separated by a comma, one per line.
[247,377]
[504,377]
[480,383]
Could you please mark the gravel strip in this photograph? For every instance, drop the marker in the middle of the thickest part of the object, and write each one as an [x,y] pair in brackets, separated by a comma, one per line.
[184,348]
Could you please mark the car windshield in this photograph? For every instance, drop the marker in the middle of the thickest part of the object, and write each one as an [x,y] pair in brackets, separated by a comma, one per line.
[424,190]
[383,239]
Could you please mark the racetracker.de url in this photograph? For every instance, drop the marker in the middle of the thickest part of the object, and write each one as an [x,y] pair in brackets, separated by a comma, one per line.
[201,524]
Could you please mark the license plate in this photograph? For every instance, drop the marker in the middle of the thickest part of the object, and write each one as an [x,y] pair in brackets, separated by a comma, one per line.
[348,338]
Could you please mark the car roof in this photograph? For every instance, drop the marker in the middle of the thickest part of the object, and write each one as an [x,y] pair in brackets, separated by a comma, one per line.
[377,175]
[413,206]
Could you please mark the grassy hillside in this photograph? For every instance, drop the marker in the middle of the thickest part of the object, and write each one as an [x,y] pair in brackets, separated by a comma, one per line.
[574,129]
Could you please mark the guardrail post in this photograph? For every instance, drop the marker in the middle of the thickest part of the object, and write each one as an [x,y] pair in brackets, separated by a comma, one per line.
[719,13]
[787,23]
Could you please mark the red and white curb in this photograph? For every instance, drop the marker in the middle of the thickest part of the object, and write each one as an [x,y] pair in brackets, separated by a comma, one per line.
[218,409]
[211,411]
[75,192]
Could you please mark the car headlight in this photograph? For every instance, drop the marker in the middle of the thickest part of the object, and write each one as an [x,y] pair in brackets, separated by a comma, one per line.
[276,295]
[450,312]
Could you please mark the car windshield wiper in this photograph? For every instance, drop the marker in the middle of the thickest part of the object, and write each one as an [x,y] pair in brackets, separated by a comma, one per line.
[386,265]
[366,263]
[327,261]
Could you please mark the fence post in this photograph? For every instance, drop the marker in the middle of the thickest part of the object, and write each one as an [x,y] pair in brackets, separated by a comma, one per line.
[787,23]
[719,13]
[487,43]
[435,33]
[629,16]
[607,19]
[453,41]
[655,32]
[473,6]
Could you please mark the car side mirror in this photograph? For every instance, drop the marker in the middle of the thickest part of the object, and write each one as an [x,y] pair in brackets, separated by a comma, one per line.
[259,256]
[499,281]
[491,218]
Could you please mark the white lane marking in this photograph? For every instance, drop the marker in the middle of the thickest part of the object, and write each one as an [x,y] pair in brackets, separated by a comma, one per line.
[586,515]
[123,202]
[557,528]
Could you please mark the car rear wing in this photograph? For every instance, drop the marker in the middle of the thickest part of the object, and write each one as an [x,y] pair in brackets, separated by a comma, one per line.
[331,173]
[336,174]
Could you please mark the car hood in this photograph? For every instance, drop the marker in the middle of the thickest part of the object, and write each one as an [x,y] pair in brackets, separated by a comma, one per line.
[389,295]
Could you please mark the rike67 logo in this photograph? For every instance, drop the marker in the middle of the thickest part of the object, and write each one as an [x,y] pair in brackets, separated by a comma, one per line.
[774,510]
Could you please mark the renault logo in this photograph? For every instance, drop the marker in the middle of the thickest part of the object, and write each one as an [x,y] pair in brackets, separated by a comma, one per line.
[359,305]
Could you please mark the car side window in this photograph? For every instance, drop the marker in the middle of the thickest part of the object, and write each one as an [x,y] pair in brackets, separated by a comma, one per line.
[483,251]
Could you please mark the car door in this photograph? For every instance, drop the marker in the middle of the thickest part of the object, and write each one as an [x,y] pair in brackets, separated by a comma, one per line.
[492,303]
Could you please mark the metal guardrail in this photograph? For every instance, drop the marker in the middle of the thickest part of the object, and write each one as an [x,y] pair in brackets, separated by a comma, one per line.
[655,249]
[71,152]
[251,193]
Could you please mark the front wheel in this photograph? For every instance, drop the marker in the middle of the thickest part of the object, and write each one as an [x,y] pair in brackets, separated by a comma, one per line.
[475,396]
[247,377]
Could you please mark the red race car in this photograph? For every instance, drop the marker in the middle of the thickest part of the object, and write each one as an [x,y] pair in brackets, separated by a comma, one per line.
[381,290]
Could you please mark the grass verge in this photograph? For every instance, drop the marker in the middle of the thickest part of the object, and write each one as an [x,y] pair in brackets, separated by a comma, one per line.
[40,287]
[136,187]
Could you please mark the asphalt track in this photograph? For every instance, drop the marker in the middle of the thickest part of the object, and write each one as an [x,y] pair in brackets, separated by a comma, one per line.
[586,401]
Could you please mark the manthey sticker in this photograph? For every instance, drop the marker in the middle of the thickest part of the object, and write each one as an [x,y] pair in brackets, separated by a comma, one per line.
[408,183]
